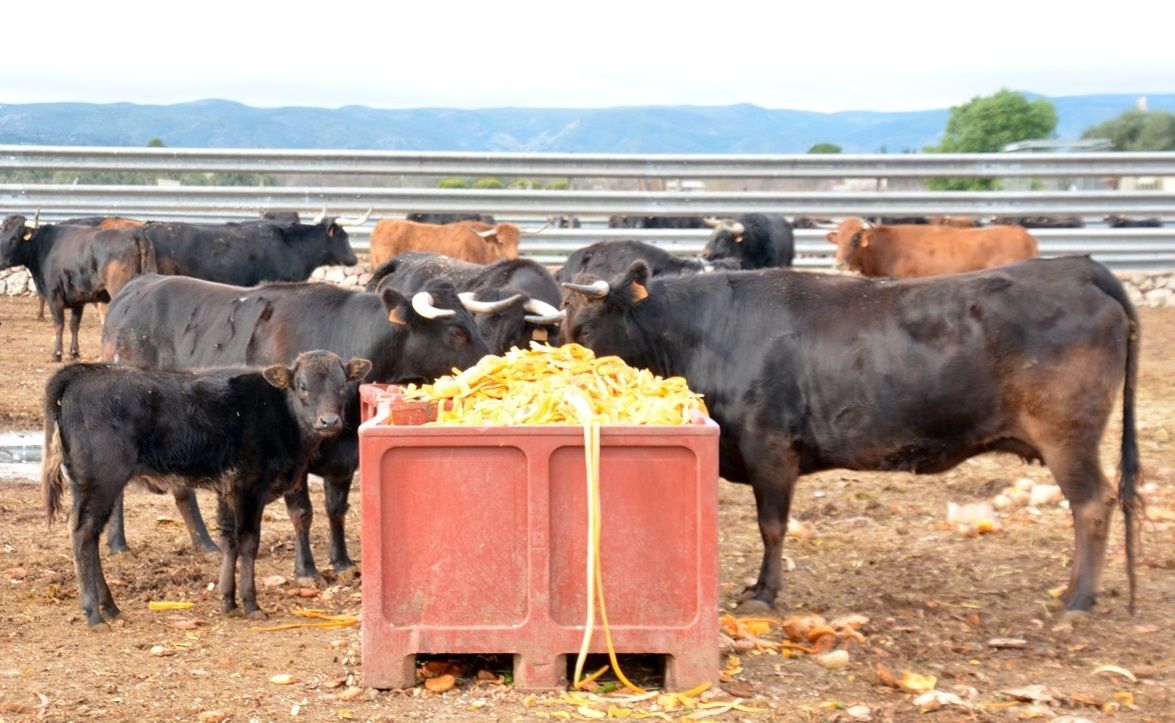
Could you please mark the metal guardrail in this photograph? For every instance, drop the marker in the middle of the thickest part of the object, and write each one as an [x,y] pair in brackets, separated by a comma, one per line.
[213,200]
[1121,248]
[585,165]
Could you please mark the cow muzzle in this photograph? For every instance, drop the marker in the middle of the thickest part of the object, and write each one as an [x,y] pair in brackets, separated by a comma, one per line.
[328,425]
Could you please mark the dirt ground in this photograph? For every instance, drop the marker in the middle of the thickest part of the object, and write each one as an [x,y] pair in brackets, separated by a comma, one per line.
[973,611]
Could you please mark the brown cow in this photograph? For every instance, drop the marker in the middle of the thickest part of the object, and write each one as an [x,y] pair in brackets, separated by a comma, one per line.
[904,252]
[479,243]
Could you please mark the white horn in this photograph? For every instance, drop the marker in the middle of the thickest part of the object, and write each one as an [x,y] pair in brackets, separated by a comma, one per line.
[543,313]
[422,304]
[485,307]
[37,220]
[597,289]
[712,221]
[488,232]
[318,219]
[359,221]
[539,230]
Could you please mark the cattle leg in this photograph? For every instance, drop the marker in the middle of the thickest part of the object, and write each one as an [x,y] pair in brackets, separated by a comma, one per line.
[337,491]
[58,314]
[116,529]
[773,478]
[302,515]
[185,502]
[1091,501]
[89,515]
[75,323]
[248,541]
[227,520]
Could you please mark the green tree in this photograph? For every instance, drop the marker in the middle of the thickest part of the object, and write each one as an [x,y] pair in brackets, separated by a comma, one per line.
[156,142]
[1138,130]
[489,183]
[453,182]
[986,124]
[825,148]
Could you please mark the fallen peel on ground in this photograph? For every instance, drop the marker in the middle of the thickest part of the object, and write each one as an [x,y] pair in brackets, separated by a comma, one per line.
[327,621]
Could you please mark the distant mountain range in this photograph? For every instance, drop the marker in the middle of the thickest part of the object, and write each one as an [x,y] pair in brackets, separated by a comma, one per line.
[640,129]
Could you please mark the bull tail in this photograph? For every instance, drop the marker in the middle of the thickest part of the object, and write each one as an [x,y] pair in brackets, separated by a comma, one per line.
[1130,467]
[52,478]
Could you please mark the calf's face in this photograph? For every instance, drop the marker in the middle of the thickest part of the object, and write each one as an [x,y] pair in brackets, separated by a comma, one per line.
[316,386]
[850,238]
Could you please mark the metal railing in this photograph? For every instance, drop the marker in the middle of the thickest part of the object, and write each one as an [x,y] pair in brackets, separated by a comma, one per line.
[1121,248]
[584,165]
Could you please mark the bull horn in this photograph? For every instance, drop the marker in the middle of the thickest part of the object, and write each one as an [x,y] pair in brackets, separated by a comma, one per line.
[476,306]
[866,224]
[737,228]
[712,221]
[422,304]
[318,219]
[37,220]
[597,289]
[543,313]
[488,232]
[538,230]
[358,221]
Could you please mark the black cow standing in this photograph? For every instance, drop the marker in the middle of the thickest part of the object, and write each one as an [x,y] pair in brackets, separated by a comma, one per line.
[608,258]
[247,253]
[247,434]
[513,300]
[808,372]
[443,218]
[72,266]
[757,240]
[175,322]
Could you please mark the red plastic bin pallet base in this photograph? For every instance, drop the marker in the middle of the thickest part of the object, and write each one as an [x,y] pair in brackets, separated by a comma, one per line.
[474,541]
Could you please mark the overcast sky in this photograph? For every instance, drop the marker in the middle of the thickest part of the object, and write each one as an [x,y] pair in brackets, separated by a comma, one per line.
[811,55]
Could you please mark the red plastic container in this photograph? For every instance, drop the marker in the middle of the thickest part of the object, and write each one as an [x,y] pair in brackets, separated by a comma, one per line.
[474,541]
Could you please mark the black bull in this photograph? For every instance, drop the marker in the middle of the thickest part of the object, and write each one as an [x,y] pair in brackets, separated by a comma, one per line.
[175,322]
[807,372]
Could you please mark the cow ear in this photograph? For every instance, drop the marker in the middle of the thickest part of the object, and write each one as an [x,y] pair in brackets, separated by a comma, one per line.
[357,369]
[831,236]
[278,376]
[865,236]
[636,281]
[396,305]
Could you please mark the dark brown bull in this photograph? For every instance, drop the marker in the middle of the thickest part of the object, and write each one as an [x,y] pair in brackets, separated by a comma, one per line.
[809,372]
[72,266]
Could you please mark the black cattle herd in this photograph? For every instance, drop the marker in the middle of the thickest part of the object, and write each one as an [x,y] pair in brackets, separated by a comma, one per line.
[802,371]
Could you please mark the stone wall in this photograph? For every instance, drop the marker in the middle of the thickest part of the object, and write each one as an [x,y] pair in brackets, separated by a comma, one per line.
[1146,288]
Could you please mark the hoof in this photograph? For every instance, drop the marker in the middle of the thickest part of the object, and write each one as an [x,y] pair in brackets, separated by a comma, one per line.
[314,581]
[99,627]
[257,614]
[347,574]
[754,607]
[234,612]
